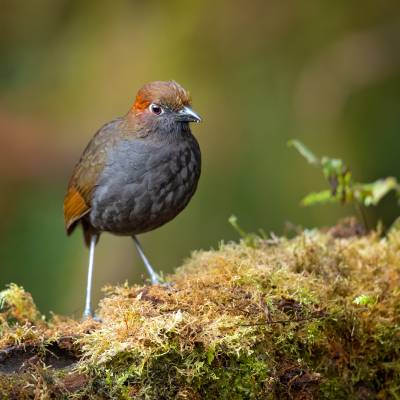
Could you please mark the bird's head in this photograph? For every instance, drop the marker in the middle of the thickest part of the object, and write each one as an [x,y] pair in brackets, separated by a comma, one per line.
[164,103]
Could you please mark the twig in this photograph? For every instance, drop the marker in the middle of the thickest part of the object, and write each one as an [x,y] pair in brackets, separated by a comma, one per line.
[361,213]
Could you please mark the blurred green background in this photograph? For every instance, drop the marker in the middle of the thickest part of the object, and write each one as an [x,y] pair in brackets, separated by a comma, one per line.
[260,73]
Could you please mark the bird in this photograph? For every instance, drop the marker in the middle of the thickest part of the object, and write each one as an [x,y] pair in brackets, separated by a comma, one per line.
[138,172]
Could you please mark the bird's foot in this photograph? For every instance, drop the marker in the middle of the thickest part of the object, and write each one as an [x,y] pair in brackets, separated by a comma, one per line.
[156,279]
[88,314]
[167,285]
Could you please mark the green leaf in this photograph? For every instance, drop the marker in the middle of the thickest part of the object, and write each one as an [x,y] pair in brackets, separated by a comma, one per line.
[333,167]
[305,152]
[372,193]
[323,197]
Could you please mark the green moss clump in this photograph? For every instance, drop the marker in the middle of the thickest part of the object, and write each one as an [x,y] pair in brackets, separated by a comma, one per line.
[16,305]
[312,317]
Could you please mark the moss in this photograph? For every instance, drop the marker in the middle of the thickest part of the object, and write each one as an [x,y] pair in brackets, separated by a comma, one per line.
[316,316]
[16,305]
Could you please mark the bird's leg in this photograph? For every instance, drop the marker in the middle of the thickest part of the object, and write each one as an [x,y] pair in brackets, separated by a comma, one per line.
[150,270]
[88,307]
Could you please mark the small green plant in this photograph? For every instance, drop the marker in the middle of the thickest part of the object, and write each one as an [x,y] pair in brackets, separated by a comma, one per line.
[250,239]
[342,187]
[365,300]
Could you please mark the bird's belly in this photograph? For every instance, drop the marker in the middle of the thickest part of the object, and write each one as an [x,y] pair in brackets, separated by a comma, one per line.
[127,202]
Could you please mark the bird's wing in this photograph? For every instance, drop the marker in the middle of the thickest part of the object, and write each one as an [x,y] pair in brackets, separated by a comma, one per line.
[78,199]
[75,206]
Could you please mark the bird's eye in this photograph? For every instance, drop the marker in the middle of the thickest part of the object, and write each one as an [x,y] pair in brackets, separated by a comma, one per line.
[156,109]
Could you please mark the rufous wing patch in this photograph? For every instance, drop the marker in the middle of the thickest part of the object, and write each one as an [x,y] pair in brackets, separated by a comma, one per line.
[75,207]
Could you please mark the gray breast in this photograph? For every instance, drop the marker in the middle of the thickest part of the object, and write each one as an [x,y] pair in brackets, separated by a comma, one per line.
[144,185]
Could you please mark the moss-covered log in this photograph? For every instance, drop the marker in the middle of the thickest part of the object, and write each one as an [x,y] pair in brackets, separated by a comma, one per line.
[317,316]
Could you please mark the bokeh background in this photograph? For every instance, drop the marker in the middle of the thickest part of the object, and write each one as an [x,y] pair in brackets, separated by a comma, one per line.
[260,73]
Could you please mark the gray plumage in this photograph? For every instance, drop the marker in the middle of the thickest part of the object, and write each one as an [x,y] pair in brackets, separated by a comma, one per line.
[145,182]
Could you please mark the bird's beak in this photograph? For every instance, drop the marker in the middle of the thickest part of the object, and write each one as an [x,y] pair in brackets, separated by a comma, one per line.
[188,115]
